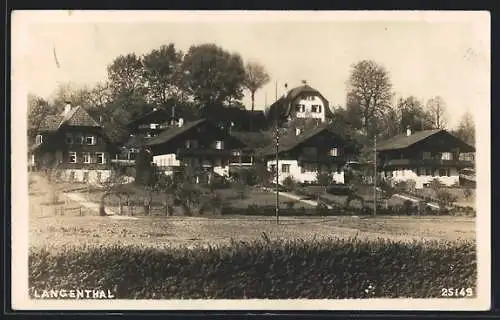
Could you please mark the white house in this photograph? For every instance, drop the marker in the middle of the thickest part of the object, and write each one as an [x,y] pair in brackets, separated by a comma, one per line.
[423,156]
[302,102]
[304,154]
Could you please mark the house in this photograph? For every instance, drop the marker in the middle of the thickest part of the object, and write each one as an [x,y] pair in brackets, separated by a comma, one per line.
[199,144]
[251,143]
[236,117]
[300,102]
[75,144]
[302,155]
[423,156]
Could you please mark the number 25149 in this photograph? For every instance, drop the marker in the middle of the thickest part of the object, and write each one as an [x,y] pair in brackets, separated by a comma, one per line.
[457,292]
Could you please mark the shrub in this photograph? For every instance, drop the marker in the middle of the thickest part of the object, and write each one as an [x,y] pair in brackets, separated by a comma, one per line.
[289,183]
[467,193]
[331,268]
[445,197]
[324,178]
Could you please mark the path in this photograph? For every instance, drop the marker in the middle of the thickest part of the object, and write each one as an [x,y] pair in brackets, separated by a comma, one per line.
[414,199]
[295,197]
[94,206]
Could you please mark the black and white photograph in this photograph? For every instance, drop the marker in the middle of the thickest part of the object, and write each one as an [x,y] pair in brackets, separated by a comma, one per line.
[250,160]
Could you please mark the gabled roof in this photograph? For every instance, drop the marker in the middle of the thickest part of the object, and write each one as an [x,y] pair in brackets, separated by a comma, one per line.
[77,116]
[158,113]
[171,133]
[252,140]
[403,141]
[284,102]
[291,141]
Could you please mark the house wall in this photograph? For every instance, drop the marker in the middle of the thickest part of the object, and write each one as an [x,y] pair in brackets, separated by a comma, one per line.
[166,160]
[79,175]
[308,103]
[306,175]
[420,180]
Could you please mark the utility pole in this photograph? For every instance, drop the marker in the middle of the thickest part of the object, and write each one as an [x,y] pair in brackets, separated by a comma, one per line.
[277,156]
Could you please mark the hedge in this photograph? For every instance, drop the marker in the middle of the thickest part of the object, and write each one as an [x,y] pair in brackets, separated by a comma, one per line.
[330,268]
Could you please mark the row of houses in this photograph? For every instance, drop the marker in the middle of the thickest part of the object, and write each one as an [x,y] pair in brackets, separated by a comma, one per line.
[78,145]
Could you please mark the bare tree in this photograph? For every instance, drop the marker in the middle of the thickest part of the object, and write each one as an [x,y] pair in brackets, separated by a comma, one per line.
[466,128]
[437,108]
[369,87]
[255,78]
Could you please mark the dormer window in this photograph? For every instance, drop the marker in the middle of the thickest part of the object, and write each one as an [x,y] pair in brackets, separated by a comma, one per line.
[334,152]
[39,139]
[90,140]
[219,145]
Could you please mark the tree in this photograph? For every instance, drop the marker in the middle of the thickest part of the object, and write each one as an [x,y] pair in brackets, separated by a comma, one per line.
[413,115]
[115,179]
[466,129]
[38,110]
[255,78]
[163,74]
[127,85]
[369,88]
[213,76]
[437,108]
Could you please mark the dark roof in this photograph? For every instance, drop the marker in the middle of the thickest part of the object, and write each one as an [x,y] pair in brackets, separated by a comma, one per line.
[135,141]
[154,115]
[284,103]
[77,116]
[291,141]
[171,133]
[403,141]
[252,140]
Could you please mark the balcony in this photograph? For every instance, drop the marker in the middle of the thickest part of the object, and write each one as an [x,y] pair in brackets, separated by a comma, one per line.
[203,152]
[324,159]
[426,163]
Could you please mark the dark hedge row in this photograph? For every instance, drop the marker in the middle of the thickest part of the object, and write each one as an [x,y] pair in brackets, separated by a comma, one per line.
[335,268]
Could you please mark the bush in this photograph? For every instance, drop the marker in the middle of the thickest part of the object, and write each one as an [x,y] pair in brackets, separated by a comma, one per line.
[289,183]
[467,193]
[445,197]
[324,178]
[331,268]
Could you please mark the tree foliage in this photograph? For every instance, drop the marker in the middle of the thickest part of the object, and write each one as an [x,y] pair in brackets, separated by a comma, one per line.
[256,77]
[466,129]
[370,90]
[213,76]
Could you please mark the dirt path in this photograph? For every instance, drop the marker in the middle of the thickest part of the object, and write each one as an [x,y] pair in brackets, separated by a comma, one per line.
[95,206]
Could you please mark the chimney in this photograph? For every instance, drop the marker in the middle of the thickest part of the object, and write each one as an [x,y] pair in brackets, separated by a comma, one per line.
[408,131]
[67,107]
[297,131]
[181,122]
[285,93]
[304,82]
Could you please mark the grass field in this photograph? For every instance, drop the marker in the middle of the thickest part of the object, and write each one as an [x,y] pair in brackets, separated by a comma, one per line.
[48,229]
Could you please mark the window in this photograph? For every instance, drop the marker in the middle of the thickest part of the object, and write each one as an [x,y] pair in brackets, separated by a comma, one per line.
[39,139]
[426,155]
[273,168]
[153,125]
[302,169]
[428,172]
[86,157]
[72,157]
[90,140]
[448,173]
[69,138]
[419,171]
[100,158]
[334,152]
[72,176]
[446,156]
[85,176]
[219,145]
[314,108]
[98,176]
[191,144]
[319,109]
[285,168]
[79,139]
[442,172]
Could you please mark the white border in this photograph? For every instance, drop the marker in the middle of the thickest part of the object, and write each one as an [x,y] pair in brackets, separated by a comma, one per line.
[20,298]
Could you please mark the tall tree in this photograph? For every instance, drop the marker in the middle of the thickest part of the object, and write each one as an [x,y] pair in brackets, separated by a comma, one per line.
[127,83]
[437,108]
[466,128]
[413,115]
[255,78]
[369,87]
[213,76]
[163,74]
[38,110]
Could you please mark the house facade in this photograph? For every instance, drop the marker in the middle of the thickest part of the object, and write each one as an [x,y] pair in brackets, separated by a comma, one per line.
[303,155]
[200,144]
[303,102]
[424,156]
[74,145]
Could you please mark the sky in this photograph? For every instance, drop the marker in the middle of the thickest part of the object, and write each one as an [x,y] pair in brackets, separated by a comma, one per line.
[426,54]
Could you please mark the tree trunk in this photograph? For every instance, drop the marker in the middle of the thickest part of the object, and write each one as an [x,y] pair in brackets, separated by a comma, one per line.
[102,209]
[253,100]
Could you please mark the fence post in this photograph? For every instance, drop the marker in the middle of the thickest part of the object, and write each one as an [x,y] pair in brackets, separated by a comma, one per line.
[80,211]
